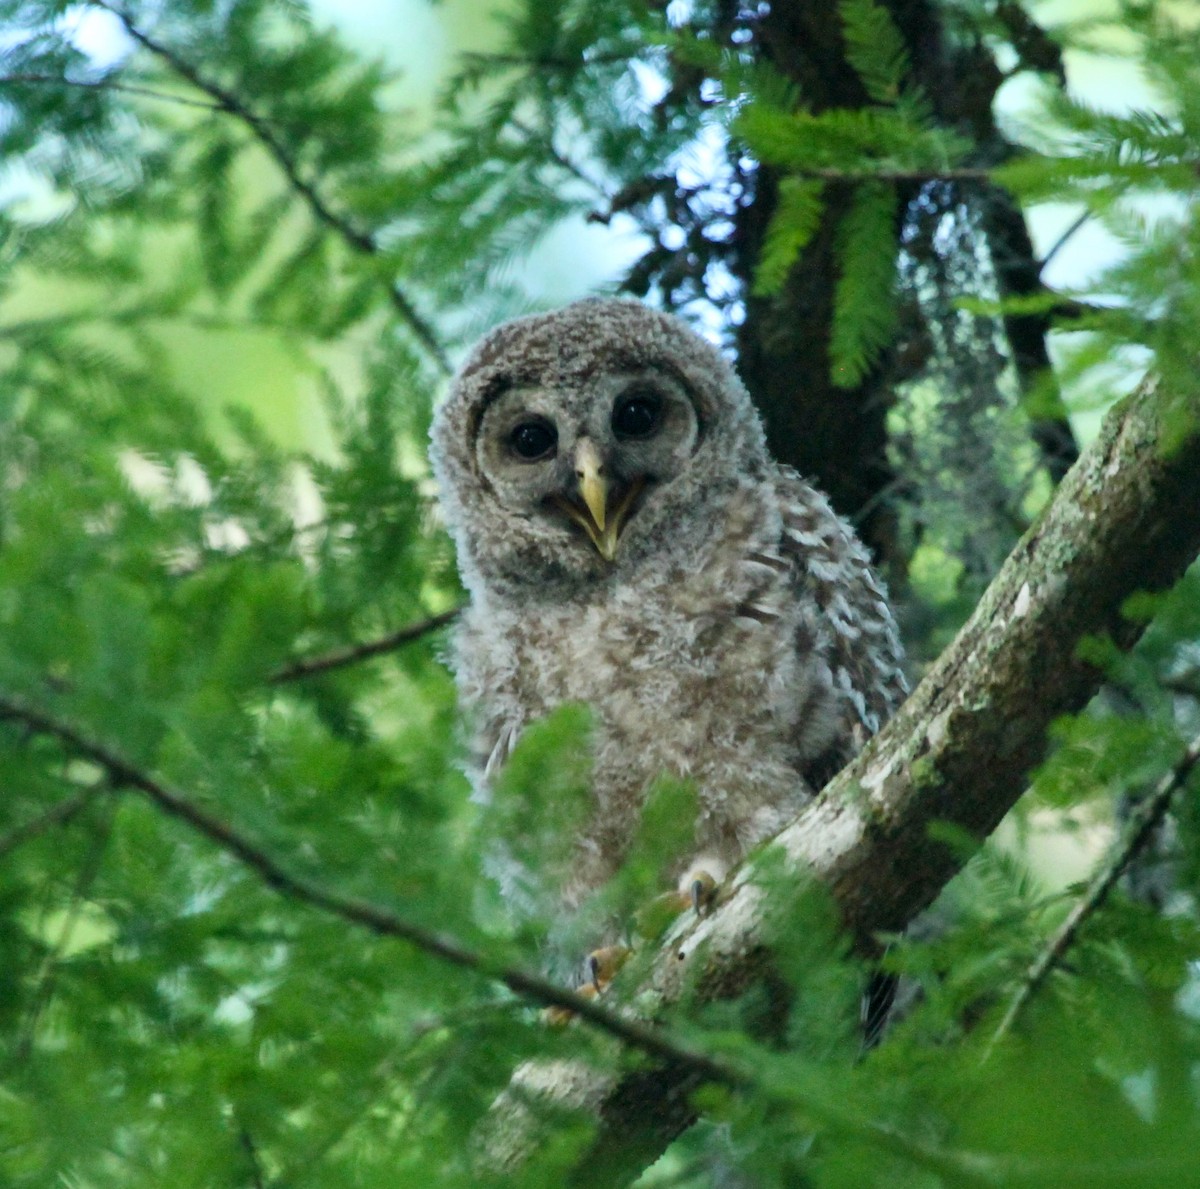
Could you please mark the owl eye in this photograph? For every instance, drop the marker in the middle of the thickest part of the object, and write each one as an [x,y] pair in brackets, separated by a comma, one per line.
[637,414]
[532,440]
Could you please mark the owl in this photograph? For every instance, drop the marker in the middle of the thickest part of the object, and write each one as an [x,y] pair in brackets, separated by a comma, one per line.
[628,542]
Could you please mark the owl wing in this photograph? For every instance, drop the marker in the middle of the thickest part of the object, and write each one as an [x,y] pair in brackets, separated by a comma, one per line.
[851,622]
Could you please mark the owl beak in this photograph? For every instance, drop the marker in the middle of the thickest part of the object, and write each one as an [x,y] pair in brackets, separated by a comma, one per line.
[602,526]
[593,484]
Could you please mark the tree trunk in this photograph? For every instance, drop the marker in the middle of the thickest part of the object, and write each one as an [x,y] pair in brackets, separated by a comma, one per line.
[837,436]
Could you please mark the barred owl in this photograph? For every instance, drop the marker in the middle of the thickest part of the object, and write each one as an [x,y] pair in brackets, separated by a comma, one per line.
[627,542]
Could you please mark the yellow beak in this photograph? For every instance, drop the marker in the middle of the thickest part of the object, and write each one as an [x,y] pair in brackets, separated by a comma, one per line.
[593,486]
[601,526]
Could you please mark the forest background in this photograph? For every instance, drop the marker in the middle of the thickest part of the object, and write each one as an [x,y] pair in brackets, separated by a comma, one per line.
[248,938]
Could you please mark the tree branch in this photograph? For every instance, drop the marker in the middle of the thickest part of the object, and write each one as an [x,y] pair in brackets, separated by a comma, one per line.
[352,654]
[1125,518]
[1138,831]
[1062,240]
[105,84]
[372,917]
[355,237]
[56,815]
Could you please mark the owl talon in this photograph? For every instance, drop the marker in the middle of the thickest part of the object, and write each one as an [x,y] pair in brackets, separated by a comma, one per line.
[603,964]
[602,967]
[704,891]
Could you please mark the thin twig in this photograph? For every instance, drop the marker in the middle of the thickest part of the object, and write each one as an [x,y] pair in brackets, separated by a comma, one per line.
[375,918]
[895,175]
[250,1148]
[354,653]
[547,61]
[104,84]
[355,237]
[47,977]
[1072,308]
[1058,244]
[56,815]
[1148,813]
[564,162]
[1186,683]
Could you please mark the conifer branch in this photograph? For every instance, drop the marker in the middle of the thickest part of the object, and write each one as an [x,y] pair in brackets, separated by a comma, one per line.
[966,1167]
[56,815]
[1138,831]
[655,1042]
[355,653]
[122,773]
[358,239]
[107,84]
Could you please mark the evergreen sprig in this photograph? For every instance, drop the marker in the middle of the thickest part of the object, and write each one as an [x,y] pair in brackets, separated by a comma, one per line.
[874,48]
[864,313]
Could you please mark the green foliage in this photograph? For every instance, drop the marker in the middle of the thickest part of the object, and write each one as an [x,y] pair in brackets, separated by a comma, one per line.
[794,223]
[1135,174]
[858,141]
[874,48]
[843,144]
[863,313]
[539,805]
[229,279]
[664,834]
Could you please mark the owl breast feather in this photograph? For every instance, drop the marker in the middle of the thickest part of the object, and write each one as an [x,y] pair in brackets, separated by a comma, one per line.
[712,672]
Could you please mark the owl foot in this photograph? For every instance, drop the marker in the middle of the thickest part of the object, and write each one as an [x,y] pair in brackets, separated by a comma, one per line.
[602,967]
[704,890]
[702,884]
[698,890]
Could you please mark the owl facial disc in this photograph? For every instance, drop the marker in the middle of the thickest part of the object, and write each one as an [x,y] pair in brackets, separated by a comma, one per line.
[589,444]
[602,525]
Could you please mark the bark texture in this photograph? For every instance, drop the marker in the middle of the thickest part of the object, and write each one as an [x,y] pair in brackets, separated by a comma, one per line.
[1125,519]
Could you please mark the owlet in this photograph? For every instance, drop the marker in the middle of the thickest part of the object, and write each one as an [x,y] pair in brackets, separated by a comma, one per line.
[627,542]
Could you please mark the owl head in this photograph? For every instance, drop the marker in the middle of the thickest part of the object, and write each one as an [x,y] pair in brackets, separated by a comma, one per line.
[582,444]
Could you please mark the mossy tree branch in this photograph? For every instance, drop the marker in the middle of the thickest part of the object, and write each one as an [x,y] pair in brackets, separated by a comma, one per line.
[1126,518]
